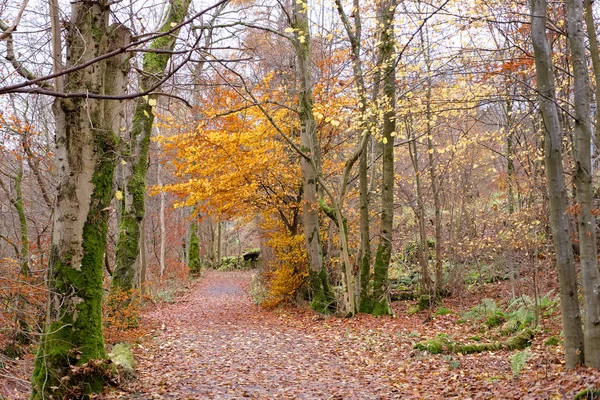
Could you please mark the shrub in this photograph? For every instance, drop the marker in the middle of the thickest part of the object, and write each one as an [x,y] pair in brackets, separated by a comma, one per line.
[284,282]
[287,272]
[120,314]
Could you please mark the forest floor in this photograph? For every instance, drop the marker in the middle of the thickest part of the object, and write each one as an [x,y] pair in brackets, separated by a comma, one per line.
[214,343]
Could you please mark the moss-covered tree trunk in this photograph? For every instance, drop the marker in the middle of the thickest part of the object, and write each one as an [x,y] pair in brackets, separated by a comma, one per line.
[194,263]
[384,249]
[555,181]
[322,296]
[22,336]
[86,145]
[135,155]
[354,33]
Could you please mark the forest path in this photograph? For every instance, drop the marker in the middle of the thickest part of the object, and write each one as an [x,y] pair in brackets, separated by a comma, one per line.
[216,344]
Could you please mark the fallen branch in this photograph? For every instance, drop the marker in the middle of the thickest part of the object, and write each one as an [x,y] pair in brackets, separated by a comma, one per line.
[443,344]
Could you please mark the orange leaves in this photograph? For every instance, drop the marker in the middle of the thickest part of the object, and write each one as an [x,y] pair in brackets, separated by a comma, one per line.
[120,315]
[232,163]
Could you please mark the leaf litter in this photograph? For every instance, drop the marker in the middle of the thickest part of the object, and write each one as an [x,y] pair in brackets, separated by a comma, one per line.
[214,343]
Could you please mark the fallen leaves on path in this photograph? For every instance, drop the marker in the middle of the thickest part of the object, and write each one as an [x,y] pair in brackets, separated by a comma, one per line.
[215,344]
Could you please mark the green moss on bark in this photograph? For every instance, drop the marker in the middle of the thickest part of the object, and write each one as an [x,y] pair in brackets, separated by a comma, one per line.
[155,63]
[76,336]
[380,304]
[127,252]
[323,298]
[194,264]
[132,216]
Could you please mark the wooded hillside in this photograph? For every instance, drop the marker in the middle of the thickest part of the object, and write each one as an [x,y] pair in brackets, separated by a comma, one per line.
[370,162]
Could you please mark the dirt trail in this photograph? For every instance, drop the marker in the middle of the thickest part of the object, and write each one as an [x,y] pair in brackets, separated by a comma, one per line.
[215,344]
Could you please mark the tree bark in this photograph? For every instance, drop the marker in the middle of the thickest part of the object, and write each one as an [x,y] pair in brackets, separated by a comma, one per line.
[438,269]
[595,55]
[426,282]
[127,263]
[363,258]
[384,249]
[86,145]
[588,253]
[322,296]
[163,230]
[219,242]
[555,181]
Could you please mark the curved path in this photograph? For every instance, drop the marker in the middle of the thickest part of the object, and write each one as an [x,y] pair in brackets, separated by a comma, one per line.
[215,344]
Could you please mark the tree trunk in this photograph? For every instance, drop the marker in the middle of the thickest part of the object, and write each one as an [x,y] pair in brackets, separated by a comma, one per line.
[595,55]
[384,249]
[163,231]
[143,258]
[433,175]
[136,153]
[86,146]
[588,253]
[555,181]
[21,335]
[219,242]
[322,297]
[363,258]
[426,282]
[194,264]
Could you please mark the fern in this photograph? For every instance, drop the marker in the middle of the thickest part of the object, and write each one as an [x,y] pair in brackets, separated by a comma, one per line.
[518,361]
[486,308]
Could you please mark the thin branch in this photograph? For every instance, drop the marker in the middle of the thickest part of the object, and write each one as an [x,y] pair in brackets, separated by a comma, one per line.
[9,30]
[40,80]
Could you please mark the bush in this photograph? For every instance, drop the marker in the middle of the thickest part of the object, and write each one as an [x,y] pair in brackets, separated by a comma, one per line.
[120,314]
[284,283]
[286,273]
[231,263]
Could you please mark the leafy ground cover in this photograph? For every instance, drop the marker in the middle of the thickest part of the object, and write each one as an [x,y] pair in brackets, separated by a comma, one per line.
[215,343]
